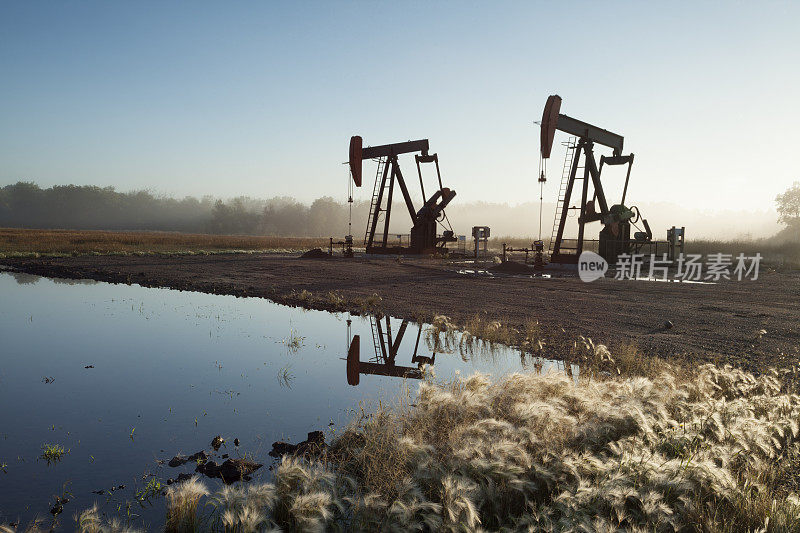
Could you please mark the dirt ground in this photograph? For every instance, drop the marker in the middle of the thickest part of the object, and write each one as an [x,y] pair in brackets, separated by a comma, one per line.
[719,322]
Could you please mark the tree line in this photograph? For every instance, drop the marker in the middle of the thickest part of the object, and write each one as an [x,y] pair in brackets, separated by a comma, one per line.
[26,205]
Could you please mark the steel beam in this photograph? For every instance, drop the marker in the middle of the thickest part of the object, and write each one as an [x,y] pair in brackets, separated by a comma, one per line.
[584,130]
[591,165]
[406,196]
[387,150]
[394,345]
[388,212]
[584,194]
[390,370]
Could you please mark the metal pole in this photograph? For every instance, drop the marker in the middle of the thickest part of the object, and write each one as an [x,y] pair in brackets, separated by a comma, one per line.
[582,218]
[421,185]
[627,178]
[541,203]
[388,207]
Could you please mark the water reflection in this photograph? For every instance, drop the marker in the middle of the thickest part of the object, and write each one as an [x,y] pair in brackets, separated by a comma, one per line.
[66,281]
[383,355]
[126,377]
[380,354]
[24,279]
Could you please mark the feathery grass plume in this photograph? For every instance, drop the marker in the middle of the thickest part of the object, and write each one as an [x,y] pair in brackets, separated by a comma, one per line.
[311,511]
[458,509]
[182,501]
[37,525]
[90,521]
[308,495]
[244,509]
[229,497]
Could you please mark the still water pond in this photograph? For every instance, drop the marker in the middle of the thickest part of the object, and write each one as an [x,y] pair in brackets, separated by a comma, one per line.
[124,377]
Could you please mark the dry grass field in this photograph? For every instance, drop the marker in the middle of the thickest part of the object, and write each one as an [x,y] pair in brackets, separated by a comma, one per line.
[32,242]
[775,253]
[36,242]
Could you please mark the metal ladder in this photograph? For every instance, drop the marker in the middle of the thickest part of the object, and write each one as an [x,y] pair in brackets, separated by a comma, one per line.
[571,145]
[374,209]
[376,339]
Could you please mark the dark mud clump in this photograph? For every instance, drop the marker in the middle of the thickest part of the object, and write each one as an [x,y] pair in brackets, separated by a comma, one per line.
[178,460]
[316,253]
[230,471]
[58,507]
[179,479]
[313,446]
[512,267]
[108,491]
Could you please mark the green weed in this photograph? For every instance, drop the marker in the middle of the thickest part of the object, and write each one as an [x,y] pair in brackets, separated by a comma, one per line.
[53,453]
[153,489]
[294,341]
[285,377]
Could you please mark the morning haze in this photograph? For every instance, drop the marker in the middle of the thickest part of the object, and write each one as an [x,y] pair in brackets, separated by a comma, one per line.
[260,101]
[399,266]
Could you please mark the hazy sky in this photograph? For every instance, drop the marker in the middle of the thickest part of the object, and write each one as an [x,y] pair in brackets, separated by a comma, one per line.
[261,98]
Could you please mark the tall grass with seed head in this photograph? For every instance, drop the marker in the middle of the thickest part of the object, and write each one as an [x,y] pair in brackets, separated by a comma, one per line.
[36,526]
[182,502]
[90,521]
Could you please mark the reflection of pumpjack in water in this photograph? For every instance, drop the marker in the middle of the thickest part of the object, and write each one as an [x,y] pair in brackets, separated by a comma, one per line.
[383,361]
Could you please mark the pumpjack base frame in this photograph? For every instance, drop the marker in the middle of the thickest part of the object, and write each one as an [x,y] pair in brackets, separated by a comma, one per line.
[631,246]
[564,259]
[399,250]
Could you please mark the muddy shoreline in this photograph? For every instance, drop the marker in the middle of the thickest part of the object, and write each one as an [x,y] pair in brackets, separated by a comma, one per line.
[720,322]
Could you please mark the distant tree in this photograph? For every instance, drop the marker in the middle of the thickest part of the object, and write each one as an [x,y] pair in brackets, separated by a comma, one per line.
[789,205]
[286,217]
[327,218]
[234,218]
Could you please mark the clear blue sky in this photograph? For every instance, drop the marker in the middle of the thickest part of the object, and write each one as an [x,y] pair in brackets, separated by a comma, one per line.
[261,98]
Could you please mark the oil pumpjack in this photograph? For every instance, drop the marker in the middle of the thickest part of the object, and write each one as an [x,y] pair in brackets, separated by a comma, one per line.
[617,220]
[424,238]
